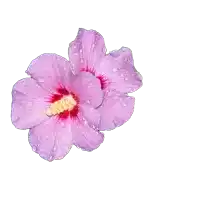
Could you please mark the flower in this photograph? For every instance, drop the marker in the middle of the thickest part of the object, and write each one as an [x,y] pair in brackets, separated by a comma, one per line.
[115,71]
[58,107]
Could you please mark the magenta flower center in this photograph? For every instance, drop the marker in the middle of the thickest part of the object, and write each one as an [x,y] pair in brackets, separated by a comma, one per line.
[103,80]
[64,104]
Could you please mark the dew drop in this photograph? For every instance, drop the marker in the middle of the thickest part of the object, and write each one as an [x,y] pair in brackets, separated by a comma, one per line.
[120,121]
[37,86]
[94,127]
[14,92]
[130,89]
[72,68]
[88,101]
[41,80]
[90,85]
[50,158]
[123,48]
[34,148]
[114,69]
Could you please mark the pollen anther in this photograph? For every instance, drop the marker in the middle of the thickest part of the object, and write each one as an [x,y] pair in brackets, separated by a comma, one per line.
[67,103]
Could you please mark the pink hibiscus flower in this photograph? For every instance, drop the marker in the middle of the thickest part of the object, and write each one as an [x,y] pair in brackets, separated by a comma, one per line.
[58,107]
[115,71]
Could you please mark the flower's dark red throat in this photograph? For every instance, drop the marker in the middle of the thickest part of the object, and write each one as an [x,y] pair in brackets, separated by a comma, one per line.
[63,104]
[103,80]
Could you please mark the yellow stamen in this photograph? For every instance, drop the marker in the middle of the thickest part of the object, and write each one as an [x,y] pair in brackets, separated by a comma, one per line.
[66,103]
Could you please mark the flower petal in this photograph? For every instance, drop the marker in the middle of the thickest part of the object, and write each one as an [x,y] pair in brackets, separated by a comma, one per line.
[52,140]
[91,115]
[29,104]
[84,136]
[86,50]
[88,88]
[50,70]
[117,77]
[115,110]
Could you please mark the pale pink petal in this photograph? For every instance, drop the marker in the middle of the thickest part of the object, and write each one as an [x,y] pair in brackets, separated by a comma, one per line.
[115,110]
[52,140]
[125,57]
[29,104]
[84,136]
[87,87]
[86,50]
[116,77]
[91,115]
[50,71]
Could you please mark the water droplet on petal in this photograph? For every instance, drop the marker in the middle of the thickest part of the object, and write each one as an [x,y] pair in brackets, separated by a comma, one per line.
[37,86]
[88,101]
[117,122]
[126,79]
[94,127]
[34,148]
[130,89]
[114,69]
[50,158]
[41,80]
[90,85]
[123,48]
